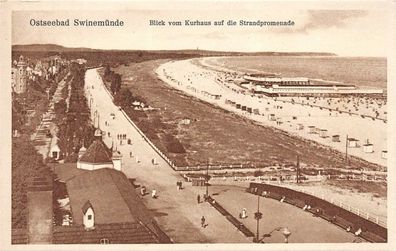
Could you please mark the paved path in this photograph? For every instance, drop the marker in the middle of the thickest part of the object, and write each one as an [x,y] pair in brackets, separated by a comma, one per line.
[177,212]
[41,142]
[304,227]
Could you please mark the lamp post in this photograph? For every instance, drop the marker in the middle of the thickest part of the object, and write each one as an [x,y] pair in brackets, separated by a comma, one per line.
[298,169]
[207,180]
[258,215]
[286,232]
[346,151]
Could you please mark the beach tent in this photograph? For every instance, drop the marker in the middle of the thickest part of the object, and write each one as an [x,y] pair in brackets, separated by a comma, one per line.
[311,129]
[323,133]
[335,138]
[352,142]
[368,148]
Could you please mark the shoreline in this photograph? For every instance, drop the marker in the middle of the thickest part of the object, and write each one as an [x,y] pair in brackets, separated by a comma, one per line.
[220,61]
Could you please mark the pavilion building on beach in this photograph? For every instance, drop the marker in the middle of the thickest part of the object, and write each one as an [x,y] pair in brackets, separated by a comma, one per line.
[276,86]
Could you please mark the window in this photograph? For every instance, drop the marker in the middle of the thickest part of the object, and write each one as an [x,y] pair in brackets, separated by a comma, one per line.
[90,217]
[104,241]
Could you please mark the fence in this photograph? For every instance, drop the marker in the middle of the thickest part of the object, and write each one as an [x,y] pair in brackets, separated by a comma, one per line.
[348,207]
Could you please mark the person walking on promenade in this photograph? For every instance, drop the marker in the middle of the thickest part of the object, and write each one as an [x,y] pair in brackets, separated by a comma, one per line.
[199,199]
[203,221]
[244,214]
[154,194]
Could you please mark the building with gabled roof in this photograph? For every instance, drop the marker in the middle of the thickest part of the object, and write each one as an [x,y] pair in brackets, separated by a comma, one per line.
[108,193]
[88,215]
[105,209]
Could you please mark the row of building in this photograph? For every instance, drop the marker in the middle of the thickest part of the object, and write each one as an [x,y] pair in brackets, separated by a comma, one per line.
[24,70]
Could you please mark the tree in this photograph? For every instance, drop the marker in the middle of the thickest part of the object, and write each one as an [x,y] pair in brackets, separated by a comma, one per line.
[18,116]
[117,79]
[26,163]
[113,87]
[115,83]
[107,70]
[123,98]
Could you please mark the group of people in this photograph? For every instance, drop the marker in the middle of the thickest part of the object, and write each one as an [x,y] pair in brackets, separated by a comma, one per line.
[204,198]
[179,185]
[143,192]
[121,137]
[357,233]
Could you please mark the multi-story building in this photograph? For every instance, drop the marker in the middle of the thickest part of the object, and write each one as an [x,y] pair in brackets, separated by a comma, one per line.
[19,76]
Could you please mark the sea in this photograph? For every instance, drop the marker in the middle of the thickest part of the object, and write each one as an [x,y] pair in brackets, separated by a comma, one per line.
[360,71]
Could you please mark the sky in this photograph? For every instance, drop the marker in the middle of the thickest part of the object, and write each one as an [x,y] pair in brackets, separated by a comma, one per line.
[354,30]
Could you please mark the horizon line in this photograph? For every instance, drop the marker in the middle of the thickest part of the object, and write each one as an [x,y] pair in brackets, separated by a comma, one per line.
[208,50]
[183,49]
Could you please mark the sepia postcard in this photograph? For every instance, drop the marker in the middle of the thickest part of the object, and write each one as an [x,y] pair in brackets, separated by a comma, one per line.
[189,125]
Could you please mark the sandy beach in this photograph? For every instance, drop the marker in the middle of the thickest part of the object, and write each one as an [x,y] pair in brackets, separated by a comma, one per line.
[301,117]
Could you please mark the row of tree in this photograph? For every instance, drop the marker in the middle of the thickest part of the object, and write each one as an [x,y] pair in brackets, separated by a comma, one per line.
[125,98]
[75,127]
[113,78]
[26,163]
